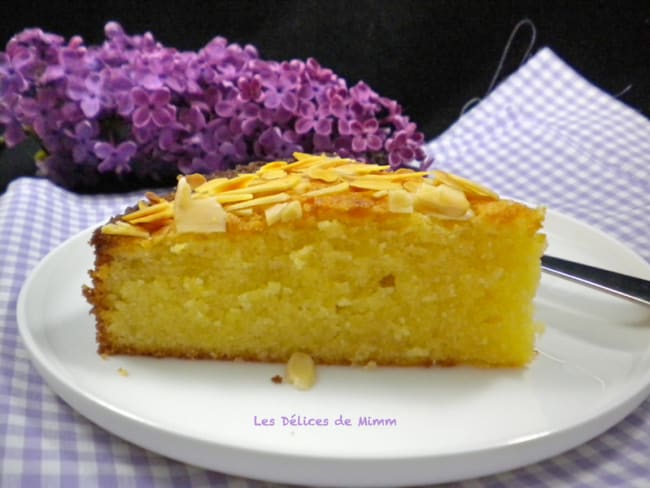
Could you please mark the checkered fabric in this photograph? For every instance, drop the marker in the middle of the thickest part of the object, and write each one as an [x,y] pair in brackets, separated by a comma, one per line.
[543,135]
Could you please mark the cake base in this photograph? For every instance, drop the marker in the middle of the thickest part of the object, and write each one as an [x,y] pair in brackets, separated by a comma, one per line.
[403,289]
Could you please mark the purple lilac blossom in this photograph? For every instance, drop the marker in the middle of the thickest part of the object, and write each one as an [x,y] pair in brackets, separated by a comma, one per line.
[133,108]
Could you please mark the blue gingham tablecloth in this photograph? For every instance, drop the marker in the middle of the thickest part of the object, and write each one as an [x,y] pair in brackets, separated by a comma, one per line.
[544,135]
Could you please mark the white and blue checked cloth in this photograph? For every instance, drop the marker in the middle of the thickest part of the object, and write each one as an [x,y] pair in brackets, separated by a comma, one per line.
[544,135]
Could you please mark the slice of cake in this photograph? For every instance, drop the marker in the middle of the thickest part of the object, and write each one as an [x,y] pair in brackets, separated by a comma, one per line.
[347,262]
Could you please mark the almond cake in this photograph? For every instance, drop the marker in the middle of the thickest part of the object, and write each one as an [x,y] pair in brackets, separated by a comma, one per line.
[347,262]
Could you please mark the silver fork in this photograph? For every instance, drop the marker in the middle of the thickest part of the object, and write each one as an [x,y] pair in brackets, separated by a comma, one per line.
[622,285]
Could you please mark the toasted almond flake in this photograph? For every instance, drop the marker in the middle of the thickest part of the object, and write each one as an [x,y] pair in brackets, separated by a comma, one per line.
[405,174]
[303,162]
[293,211]
[380,194]
[307,161]
[374,183]
[441,199]
[237,183]
[154,197]
[273,174]
[400,201]
[326,163]
[197,215]
[272,186]
[195,180]
[273,214]
[358,169]
[163,214]
[256,202]
[302,186]
[232,197]
[467,186]
[273,166]
[412,185]
[245,212]
[150,213]
[208,186]
[123,229]
[301,371]
[326,175]
[327,190]
[370,365]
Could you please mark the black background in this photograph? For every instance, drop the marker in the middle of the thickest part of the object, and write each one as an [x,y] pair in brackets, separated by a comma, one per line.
[431,56]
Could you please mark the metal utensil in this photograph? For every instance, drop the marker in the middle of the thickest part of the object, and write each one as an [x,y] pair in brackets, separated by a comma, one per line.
[625,286]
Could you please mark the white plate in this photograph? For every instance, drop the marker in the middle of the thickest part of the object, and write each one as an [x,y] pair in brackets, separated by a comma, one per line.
[425,424]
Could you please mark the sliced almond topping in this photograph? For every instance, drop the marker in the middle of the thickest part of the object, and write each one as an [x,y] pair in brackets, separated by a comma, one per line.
[232,197]
[197,215]
[405,174]
[374,183]
[124,229]
[163,214]
[154,197]
[301,371]
[256,202]
[303,161]
[400,201]
[208,186]
[195,180]
[358,169]
[150,213]
[274,214]
[326,175]
[225,184]
[272,186]
[281,189]
[412,185]
[293,211]
[328,190]
[273,174]
[465,185]
[441,199]
[302,186]
[273,166]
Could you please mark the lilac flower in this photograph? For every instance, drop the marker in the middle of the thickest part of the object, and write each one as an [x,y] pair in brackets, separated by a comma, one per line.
[13,128]
[11,79]
[250,89]
[243,116]
[367,136]
[152,107]
[70,64]
[116,159]
[272,142]
[88,92]
[138,110]
[84,142]
[279,90]
[312,117]
[40,113]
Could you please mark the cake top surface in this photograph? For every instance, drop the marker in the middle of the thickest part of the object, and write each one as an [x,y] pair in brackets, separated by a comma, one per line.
[316,186]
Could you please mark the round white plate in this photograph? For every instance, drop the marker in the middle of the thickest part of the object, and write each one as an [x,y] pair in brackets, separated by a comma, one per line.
[363,427]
